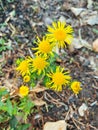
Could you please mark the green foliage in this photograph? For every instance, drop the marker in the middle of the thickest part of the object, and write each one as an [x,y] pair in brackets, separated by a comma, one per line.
[18,61]
[10,109]
[95,31]
[23,127]
[3,46]
[42,68]
[25,106]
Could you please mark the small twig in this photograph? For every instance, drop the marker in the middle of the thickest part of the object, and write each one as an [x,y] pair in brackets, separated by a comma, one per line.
[67,115]
[93,127]
[30,52]
[79,122]
[76,124]
[52,100]
[84,124]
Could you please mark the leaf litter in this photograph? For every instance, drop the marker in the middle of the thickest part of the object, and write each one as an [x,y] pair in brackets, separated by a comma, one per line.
[23,22]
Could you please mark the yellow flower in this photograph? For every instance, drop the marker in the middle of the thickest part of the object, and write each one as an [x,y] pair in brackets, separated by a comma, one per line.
[39,64]
[23,91]
[23,68]
[60,33]
[58,79]
[75,86]
[26,78]
[44,47]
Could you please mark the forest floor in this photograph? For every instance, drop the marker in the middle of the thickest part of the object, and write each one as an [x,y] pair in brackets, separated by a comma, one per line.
[20,23]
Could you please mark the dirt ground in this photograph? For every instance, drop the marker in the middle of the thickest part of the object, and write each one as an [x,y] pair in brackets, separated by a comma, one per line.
[20,22]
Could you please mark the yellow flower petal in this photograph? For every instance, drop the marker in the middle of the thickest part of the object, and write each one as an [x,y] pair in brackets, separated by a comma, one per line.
[39,64]
[60,33]
[44,47]
[23,91]
[75,86]
[58,79]
[23,68]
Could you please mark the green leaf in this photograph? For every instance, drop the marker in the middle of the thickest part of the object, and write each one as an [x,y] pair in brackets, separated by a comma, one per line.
[2,41]
[13,122]
[95,31]
[3,117]
[15,109]
[23,127]
[3,92]
[9,107]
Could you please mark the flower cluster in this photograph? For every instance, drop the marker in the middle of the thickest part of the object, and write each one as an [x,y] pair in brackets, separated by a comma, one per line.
[43,65]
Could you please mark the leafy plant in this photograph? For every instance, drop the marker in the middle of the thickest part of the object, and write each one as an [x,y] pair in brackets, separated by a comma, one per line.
[11,109]
[3,46]
[42,69]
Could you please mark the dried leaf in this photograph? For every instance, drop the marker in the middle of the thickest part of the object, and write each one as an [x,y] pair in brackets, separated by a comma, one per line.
[82,109]
[90,4]
[93,63]
[58,125]
[77,11]
[92,20]
[79,43]
[95,45]
[8,84]
[39,102]
[38,89]
[89,17]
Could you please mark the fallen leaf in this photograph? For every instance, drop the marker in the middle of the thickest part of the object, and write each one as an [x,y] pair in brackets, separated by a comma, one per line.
[79,43]
[95,45]
[90,4]
[82,109]
[58,125]
[38,89]
[93,63]
[39,102]
[89,17]
[86,17]
[92,20]
[8,83]
[77,11]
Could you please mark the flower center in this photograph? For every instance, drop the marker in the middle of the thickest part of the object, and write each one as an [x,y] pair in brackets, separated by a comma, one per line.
[60,34]
[58,78]
[45,47]
[39,63]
